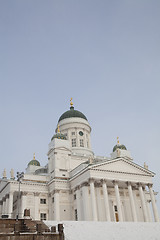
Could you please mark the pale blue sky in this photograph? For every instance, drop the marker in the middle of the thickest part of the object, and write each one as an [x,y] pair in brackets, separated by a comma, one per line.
[105,54]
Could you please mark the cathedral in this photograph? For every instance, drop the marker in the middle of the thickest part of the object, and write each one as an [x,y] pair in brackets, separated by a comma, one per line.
[76,185]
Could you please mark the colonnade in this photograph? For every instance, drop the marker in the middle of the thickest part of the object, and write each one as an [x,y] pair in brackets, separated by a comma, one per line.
[82,201]
[6,205]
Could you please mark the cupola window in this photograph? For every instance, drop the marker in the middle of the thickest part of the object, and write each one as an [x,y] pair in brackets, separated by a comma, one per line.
[81,143]
[73,142]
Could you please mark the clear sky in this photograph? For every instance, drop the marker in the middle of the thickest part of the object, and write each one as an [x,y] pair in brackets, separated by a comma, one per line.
[105,54]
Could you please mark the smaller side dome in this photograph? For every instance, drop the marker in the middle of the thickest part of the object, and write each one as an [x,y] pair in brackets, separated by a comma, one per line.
[119,146]
[59,135]
[34,162]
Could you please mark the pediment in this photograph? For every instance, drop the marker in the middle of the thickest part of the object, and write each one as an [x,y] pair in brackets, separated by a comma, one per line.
[122,166]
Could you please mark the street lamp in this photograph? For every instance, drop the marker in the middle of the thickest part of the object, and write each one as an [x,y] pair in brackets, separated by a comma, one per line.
[20,175]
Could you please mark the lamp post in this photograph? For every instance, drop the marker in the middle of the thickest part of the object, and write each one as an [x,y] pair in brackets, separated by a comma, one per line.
[20,175]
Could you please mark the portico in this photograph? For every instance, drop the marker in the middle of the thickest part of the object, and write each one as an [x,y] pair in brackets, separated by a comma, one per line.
[112,190]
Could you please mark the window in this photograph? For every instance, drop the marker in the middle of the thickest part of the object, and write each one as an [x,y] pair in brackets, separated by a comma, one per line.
[116,213]
[42,201]
[53,200]
[76,215]
[115,208]
[74,196]
[43,216]
[81,143]
[73,142]
[73,133]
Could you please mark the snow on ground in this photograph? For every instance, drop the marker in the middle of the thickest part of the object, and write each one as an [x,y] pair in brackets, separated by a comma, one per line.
[83,230]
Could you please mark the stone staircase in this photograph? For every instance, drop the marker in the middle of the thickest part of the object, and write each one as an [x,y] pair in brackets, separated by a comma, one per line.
[22,225]
[7,225]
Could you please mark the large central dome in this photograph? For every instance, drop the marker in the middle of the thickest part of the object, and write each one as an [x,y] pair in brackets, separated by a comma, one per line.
[72,113]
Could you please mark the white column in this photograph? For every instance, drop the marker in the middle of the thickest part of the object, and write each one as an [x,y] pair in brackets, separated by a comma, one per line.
[99,205]
[56,206]
[93,200]
[133,208]
[106,201]
[154,206]
[144,208]
[118,201]
[10,205]
[78,202]
[85,199]
[149,211]
[6,206]
[23,204]
[36,206]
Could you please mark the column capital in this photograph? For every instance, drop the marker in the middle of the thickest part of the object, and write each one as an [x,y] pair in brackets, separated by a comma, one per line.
[139,184]
[103,181]
[77,188]
[150,185]
[24,193]
[115,182]
[91,180]
[129,183]
[36,194]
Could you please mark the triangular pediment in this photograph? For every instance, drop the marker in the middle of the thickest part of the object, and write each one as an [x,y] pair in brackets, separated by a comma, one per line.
[122,166]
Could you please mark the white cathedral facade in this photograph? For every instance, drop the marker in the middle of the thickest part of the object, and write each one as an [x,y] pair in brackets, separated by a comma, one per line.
[77,185]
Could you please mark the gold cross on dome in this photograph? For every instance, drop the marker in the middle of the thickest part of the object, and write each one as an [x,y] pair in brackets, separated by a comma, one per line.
[71,103]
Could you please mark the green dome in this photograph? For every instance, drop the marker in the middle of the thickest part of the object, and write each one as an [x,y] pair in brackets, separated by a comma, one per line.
[59,136]
[120,146]
[34,162]
[72,113]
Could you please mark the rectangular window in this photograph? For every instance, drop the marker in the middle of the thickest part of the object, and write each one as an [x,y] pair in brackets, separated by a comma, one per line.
[53,200]
[76,215]
[115,208]
[74,196]
[43,216]
[73,142]
[42,201]
[73,133]
[81,143]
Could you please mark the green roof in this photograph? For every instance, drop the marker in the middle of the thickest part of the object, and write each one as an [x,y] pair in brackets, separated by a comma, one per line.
[34,162]
[72,113]
[59,136]
[120,146]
